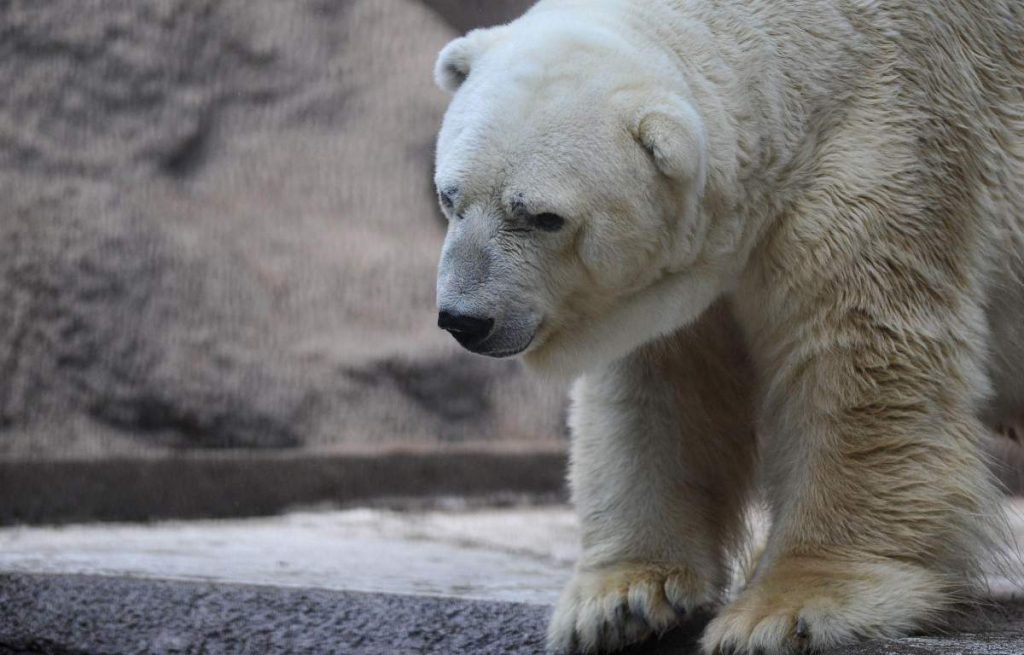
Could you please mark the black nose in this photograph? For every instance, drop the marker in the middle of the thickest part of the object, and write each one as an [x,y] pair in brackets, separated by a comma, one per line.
[467,330]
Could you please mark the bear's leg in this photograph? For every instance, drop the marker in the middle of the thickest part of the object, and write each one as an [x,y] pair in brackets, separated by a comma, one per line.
[662,461]
[873,467]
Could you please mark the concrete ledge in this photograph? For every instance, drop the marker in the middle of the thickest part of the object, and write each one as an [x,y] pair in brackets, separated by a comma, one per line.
[233,483]
[239,483]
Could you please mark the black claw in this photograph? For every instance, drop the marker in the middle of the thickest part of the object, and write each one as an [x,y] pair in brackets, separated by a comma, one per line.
[801,629]
[639,616]
[679,610]
[609,633]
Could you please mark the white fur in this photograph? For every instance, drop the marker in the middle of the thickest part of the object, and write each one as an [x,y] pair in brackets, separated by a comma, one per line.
[802,218]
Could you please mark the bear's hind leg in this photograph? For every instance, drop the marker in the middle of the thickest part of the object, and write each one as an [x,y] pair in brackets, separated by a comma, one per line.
[872,459]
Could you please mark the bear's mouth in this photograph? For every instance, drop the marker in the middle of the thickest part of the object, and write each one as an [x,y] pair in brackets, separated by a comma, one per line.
[498,353]
[499,344]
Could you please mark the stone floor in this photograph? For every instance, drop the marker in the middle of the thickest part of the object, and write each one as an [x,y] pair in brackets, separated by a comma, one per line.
[364,581]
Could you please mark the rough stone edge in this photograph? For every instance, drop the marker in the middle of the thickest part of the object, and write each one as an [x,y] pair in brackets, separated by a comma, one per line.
[236,484]
[76,614]
[65,614]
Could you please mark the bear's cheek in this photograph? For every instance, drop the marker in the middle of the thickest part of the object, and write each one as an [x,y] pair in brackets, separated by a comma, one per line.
[616,258]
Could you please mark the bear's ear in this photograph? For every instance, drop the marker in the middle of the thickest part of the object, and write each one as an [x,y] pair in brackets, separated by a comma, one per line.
[672,133]
[456,59]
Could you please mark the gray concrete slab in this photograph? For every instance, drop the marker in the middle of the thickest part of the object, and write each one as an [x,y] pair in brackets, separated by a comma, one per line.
[514,555]
[215,484]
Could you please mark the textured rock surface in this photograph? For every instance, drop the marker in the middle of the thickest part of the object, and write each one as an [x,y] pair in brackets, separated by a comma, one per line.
[127,616]
[217,229]
[144,616]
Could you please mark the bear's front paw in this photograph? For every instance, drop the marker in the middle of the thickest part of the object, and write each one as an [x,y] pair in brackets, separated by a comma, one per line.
[604,609]
[804,604]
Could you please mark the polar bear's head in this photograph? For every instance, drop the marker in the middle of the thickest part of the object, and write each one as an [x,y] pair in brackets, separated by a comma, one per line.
[570,167]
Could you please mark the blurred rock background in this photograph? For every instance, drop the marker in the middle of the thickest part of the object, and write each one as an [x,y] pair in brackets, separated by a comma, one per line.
[218,230]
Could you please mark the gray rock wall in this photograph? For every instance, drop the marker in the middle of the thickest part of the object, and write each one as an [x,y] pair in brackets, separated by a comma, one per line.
[217,229]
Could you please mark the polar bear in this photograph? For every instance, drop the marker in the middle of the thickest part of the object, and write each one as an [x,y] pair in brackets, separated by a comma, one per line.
[780,247]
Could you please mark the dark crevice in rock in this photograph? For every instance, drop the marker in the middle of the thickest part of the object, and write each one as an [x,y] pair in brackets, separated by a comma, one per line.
[169,423]
[451,388]
[445,387]
[190,153]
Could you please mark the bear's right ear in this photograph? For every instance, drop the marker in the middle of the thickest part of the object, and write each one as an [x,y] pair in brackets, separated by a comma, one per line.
[672,133]
[456,59]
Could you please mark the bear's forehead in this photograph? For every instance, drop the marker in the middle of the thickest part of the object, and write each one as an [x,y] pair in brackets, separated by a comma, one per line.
[510,154]
[515,122]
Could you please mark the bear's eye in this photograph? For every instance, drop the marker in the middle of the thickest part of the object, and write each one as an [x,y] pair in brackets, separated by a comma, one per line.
[447,198]
[548,222]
